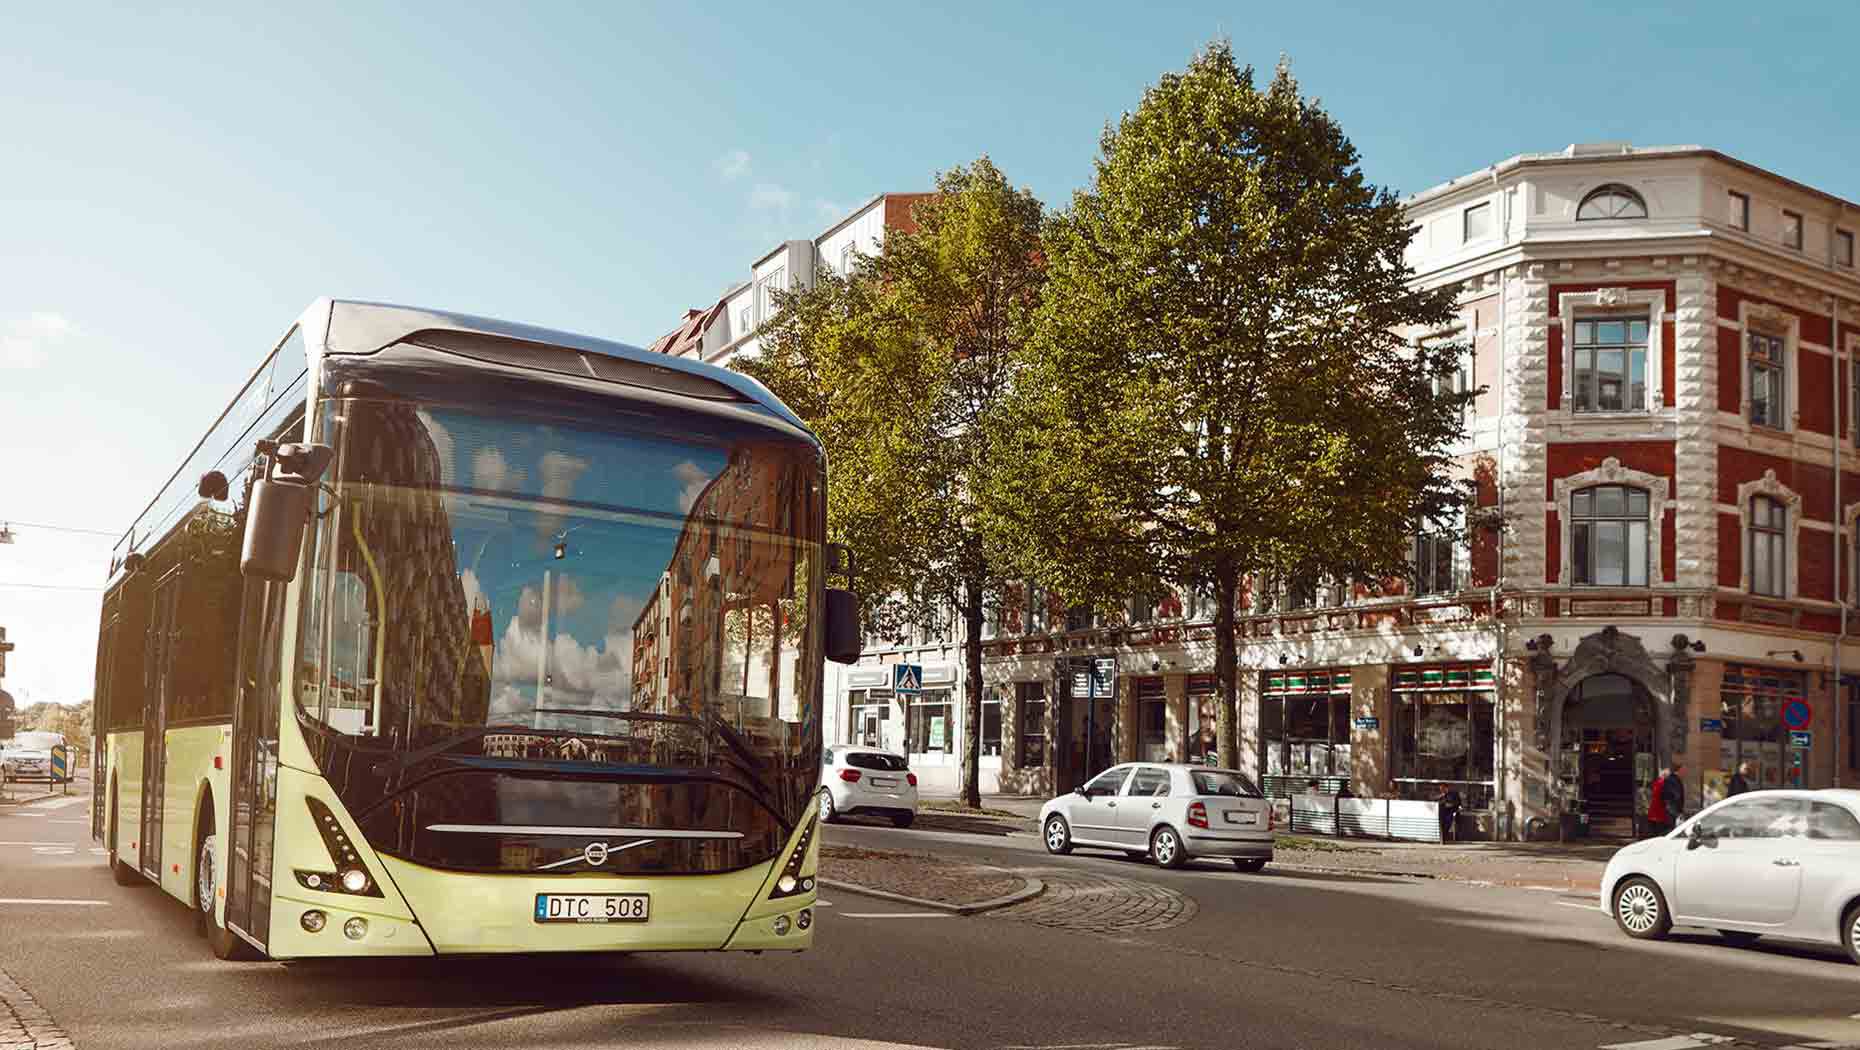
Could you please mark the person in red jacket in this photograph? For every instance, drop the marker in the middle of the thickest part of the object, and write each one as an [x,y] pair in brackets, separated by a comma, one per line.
[1659,821]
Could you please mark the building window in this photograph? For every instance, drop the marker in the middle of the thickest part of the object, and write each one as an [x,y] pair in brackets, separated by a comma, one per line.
[1030,708]
[1613,201]
[1611,365]
[1080,618]
[1768,394]
[765,294]
[1853,726]
[1751,701]
[745,320]
[1203,748]
[1768,517]
[1476,222]
[1844,247]
[1740,210]
[931,729]
[1792,230]
[1152,720]
[1609,536]
[869,712]
[847,256]
[991,725]
[1443,734]
[1301,593]
[1434,557]
[1304,726]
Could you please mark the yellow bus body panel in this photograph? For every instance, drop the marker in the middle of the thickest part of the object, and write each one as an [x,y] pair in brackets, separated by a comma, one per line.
[188,777]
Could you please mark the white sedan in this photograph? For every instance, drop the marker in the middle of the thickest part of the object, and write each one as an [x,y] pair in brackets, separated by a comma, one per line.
[1781,863]
[865,780]
[1171,811]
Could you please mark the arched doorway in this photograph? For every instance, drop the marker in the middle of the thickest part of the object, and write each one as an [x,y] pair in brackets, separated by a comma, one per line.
[1609,725]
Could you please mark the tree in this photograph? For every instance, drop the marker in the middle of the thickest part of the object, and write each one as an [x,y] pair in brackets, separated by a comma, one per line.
[902,367]
[1223,386]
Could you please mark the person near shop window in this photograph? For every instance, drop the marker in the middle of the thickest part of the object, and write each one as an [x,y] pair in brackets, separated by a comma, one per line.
[1740,780]
[1658,821]
[1674,792]
[1448,801]
[1345,792]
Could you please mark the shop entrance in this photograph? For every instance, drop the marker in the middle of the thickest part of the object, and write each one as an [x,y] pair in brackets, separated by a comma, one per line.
[1608,751]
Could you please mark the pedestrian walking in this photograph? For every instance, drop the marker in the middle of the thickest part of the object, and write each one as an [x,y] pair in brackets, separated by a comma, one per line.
[1740,780]
[1673,790]
[1448,800]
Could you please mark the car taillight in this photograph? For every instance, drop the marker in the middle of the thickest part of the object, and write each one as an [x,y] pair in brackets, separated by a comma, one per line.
[911,779]
[1198,815]
[851,776]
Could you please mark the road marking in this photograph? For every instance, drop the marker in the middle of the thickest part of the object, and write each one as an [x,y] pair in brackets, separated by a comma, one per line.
[52,900]
[67,820]
[823,904]
[1673,1042]
[1584,905]
[53,851]
[895,914]
[35,843]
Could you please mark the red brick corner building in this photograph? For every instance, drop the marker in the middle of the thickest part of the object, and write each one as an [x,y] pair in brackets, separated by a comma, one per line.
[1667,432]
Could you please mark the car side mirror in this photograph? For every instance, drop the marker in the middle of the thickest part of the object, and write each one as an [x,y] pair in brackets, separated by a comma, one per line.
[1083,790]
[1696,836]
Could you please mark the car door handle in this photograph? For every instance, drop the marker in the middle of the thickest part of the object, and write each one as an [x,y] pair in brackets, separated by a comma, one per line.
[1113,805]
[1786,862]
[1155,805]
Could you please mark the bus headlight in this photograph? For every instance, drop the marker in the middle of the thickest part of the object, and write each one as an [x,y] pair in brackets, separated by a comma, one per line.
[355,929]
[313,921]
[781,926]
[350,875]
[355,880]
[790,881]
[805,919]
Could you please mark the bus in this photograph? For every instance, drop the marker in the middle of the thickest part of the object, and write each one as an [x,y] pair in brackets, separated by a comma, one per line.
[365,675]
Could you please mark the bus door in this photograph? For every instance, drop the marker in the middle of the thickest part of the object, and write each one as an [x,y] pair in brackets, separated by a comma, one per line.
[155,703]
[102,718]
[255,762]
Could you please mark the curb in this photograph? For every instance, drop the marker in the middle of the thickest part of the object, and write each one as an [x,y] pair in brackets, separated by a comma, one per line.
[1033,889]
[4,801]
[1435,877]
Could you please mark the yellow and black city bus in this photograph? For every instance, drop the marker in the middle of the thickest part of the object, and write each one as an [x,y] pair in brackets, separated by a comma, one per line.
[454,635]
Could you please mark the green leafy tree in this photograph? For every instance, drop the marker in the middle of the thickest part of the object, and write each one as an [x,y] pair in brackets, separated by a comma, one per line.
[902,368]
[1224,385]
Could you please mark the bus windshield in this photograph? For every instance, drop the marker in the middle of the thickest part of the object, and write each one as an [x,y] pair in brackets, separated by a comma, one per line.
[555,593]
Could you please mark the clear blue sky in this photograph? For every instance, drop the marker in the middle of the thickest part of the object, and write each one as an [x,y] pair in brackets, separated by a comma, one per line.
[176,187]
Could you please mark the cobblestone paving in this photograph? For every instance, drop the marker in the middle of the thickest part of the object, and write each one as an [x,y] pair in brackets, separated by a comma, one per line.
[919,875]
[1092,903]
[24,1024]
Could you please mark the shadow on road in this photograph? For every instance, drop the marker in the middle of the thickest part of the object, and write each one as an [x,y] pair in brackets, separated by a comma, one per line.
[541,981]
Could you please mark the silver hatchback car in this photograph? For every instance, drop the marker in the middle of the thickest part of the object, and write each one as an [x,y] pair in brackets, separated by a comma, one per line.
[1171,811]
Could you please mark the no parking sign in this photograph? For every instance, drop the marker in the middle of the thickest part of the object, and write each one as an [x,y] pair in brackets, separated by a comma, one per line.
[1796,714]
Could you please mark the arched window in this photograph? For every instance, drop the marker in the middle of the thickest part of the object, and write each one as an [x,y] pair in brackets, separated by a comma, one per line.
[1613,201]
[1768,562]
[1608,535]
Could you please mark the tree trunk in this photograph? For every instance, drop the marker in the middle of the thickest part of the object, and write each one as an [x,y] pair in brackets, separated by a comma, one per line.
[972,694]
[1227,717]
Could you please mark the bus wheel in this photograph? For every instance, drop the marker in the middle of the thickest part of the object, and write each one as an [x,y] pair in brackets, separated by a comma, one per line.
[120,873]
[225,943]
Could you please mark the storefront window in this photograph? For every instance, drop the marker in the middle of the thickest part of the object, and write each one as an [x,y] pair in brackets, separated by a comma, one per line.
[1152,720]
[1751,703]
[991,727]
[1304,723]
[1030,707]
[1444,734]
[868,712]
[1202,746]
[931,728]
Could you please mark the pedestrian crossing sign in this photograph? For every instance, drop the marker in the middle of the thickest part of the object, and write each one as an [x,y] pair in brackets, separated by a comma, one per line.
[907,679]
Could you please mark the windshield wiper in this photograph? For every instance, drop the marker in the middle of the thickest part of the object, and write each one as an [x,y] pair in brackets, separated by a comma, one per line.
[751,762]
[395,766]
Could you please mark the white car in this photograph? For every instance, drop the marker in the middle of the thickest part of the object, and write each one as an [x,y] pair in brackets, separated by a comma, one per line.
[29,755]
[1171,811]
[1781,863]
[865,780]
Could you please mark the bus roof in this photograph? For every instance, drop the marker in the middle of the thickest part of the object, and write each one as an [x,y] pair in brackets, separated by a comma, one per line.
[352,326]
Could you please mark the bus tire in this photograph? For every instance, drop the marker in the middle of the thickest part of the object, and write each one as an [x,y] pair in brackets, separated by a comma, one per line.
[120,873]
[226,944]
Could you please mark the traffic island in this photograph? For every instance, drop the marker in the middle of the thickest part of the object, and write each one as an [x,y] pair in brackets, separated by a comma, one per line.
[924,880]
[1568,869]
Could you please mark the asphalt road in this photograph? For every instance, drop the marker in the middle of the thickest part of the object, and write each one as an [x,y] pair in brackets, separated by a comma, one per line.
[1282,959]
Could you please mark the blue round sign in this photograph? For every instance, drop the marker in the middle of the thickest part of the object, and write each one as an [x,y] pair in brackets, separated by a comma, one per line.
[1796,714]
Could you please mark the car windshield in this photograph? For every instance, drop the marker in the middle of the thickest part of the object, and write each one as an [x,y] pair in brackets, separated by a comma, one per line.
[875,760]
[1221,782]
[540,590]
[36,741]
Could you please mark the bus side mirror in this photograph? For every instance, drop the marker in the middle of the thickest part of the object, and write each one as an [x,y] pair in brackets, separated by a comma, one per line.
[842,626]
[279,509]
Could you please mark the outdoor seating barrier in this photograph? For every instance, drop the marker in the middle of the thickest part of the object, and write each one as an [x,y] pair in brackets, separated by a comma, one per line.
[1393,819]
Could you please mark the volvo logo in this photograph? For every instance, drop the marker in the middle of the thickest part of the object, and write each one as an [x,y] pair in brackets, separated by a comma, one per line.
[595,853]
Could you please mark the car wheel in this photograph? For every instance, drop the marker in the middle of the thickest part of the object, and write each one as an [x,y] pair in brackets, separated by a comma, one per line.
[828,814]
[1640,909]
[120,873]
[203,884]
[1850,927]
[903,820]
[1058,836]
[1249,866]
[1739,937]
[1166,848]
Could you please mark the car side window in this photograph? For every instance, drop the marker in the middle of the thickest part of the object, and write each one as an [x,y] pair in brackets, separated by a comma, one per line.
[1829,821]
[1107,782]
[1151,782]
[1757,818]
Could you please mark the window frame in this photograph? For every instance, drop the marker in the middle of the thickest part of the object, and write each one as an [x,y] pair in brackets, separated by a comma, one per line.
[1026,696]
[1792,242]
[1844,248]
[1483,210]
[1777,536]
[1627,518]
[1613,189]
[1740,210]
[1627,347]
[1611,472]
[1614,304]
[1776,381]
[1791,502]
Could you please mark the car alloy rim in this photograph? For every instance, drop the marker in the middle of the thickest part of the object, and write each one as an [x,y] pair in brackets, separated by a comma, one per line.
[1055,834]
[1853,933]
[1165,847]
[203,879]
[1638,908]
[826,805]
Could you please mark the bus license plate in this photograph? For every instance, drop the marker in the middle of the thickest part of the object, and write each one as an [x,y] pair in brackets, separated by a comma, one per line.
[593,907]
